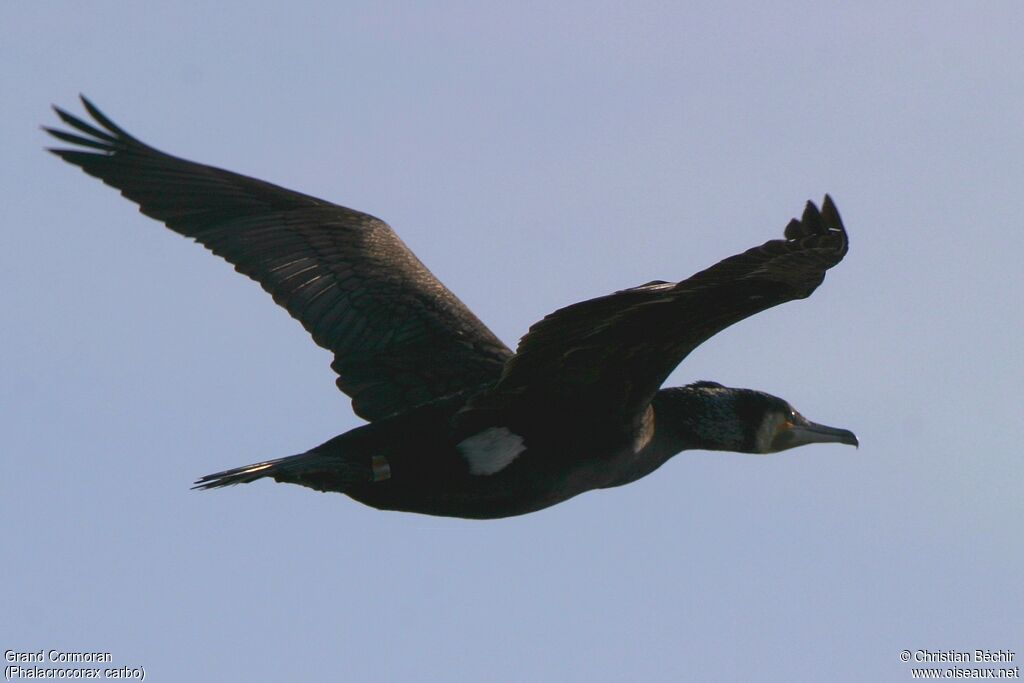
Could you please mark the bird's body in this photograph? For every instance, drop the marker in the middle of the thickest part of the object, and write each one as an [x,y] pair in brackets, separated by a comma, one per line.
[422,461]
[459,425]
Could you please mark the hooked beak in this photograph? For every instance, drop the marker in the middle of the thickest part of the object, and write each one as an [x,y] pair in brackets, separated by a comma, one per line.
[791,435]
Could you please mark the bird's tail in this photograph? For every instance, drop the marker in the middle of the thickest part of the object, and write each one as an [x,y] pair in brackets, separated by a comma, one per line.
[315,470]
[240,475]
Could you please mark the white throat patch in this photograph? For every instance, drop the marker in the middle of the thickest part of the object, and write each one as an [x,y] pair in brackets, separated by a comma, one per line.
[766,432]
[491,450]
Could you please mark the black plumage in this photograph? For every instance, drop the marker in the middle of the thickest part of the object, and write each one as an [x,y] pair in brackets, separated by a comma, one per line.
[459,425]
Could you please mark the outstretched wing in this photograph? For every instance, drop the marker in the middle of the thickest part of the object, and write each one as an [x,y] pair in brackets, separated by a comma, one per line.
[399,337]
[607,357]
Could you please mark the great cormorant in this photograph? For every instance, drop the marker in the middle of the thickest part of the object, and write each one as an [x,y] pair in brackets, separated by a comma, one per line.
[458,424]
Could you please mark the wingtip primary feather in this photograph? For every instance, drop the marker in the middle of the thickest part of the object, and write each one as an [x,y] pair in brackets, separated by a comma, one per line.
[831,214]
[813,224]
[77,139]
[815,221]
[793,230]
[102,118]
[85,127]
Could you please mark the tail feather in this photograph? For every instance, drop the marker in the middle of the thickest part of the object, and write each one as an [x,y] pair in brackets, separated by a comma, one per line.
[317,471]
[238,475]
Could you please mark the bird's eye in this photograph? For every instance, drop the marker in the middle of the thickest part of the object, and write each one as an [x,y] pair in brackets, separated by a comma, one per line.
[792,416]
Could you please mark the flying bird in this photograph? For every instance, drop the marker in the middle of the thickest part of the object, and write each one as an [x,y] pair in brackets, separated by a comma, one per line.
[457,423]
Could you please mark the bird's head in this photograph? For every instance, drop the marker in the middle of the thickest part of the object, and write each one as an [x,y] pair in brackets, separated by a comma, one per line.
[714,417]
[782,427]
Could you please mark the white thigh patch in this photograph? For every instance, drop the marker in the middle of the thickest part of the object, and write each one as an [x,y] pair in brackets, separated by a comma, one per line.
[491,450]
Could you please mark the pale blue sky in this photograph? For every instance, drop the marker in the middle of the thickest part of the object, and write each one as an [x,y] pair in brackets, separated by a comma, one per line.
[532,156]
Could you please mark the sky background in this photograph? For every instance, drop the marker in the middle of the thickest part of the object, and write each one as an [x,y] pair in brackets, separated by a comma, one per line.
[532,155]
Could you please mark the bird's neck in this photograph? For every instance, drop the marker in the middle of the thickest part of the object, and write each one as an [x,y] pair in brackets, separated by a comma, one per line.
[698,416]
